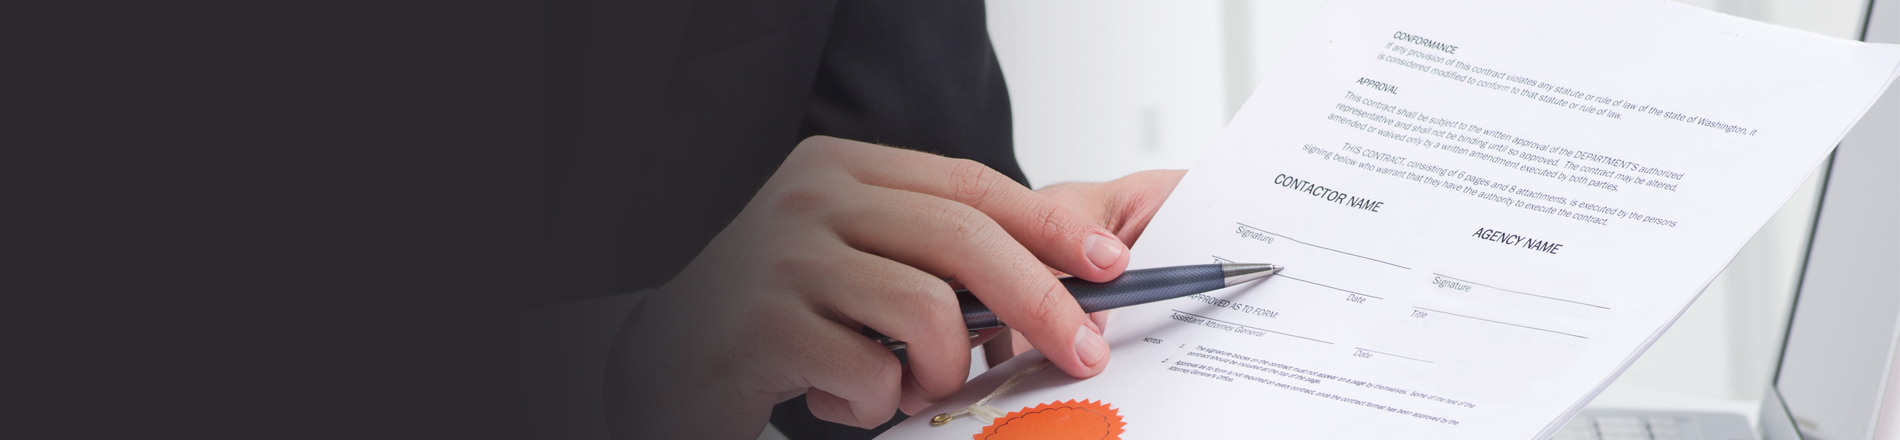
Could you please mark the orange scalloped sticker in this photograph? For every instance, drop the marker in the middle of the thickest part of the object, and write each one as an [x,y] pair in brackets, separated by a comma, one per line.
[1072,419]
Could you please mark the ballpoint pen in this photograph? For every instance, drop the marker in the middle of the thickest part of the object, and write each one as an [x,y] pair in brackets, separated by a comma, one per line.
[1133,287]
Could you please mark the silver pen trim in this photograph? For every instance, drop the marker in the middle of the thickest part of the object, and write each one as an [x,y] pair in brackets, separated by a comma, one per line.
[1240,273]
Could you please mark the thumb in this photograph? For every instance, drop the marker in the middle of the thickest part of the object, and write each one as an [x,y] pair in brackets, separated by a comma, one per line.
[1067,242]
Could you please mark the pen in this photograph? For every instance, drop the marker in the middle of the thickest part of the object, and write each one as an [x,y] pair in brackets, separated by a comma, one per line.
[1133,287]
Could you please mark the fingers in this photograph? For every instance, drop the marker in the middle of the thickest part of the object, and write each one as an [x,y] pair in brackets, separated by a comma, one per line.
[907,304]
[950,239]
[1134,199]
[852,380]
[1049,230]
[831,408]
[1124,206]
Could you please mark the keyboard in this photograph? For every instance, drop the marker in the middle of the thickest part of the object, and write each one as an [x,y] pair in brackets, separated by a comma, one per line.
[1628,427]
[1612,424]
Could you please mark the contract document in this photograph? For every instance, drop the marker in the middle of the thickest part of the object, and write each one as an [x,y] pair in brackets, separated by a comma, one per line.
[1487,209]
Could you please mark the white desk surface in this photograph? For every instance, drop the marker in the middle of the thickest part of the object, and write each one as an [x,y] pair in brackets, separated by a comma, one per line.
[1617,396]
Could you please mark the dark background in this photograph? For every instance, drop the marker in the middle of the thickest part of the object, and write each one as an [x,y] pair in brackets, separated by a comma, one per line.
[269,219]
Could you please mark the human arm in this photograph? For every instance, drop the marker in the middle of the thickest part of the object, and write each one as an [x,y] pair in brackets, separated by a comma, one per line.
[845,235]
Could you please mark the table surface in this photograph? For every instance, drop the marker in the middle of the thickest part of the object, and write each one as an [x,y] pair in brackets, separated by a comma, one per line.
[1617,396]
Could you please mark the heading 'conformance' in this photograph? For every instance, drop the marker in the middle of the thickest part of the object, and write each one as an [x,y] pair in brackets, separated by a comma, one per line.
[1422,41]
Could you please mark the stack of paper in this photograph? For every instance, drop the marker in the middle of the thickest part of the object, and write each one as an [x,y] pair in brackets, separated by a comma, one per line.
[1487,210]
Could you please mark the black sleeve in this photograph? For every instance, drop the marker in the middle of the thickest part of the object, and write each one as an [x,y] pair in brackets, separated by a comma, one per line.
[917,75]
[749,81]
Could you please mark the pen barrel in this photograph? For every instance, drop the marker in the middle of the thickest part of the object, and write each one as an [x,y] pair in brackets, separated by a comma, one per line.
[975,315]
[1132,287]
[1145,286]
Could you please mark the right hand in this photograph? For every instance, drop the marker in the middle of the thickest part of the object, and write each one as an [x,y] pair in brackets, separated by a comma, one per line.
[845,235]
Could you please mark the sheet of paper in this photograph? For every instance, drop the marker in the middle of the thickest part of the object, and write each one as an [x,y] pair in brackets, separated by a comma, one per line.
[1487,209]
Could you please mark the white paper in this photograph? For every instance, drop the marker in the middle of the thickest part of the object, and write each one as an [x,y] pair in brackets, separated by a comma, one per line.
[1633,147]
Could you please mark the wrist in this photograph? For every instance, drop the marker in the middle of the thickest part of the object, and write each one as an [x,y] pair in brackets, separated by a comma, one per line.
[661,387]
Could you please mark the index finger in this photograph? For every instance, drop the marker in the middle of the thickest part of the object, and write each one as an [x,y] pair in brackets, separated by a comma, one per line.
[1058,237]
[951,239]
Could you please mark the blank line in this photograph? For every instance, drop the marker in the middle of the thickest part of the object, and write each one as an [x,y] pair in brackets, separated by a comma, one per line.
[1520,293]
[1217,257]
[1394,355]
[1295,240]
[1326,286]
[1247,326]
[1499,322]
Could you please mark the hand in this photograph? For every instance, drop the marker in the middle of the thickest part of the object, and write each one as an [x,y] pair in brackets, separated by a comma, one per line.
[1123,206]
[847,235]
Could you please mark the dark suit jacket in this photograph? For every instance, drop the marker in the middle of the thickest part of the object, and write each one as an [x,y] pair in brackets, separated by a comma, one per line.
[739,84]
[719,92]
[300,219]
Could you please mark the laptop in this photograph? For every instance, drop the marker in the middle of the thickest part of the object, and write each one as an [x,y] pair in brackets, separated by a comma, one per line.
[1835,377]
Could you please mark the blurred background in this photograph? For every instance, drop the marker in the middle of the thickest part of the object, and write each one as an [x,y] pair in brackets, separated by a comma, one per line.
[1102,88]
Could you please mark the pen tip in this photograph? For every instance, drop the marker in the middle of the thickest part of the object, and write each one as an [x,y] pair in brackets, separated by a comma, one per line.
[1241,273]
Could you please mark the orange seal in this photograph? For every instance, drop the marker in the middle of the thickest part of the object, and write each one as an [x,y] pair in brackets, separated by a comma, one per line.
[1058,420]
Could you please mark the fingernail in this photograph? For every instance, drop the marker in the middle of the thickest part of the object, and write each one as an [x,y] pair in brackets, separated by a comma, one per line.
[1102,250]
[1089,346]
